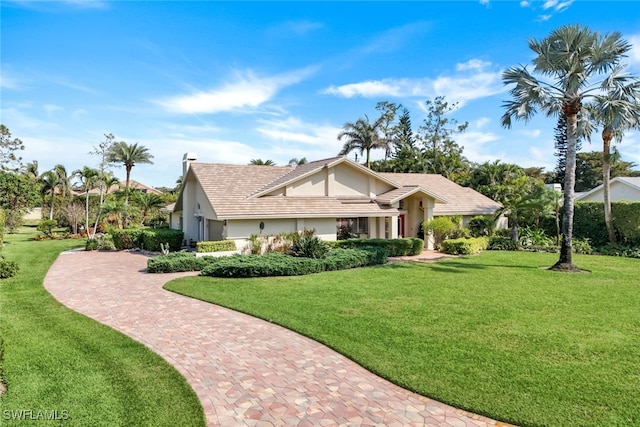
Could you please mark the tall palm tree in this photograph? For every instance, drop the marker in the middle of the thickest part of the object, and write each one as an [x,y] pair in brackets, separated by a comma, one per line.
[573,58]
[297,162]
[616,111]
[363,136]
[88,180]
[48,181]
[129,155]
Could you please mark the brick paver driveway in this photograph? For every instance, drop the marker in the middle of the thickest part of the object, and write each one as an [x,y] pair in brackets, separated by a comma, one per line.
[245,371]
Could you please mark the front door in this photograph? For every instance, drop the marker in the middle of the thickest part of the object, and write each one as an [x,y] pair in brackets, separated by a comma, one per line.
[401,226]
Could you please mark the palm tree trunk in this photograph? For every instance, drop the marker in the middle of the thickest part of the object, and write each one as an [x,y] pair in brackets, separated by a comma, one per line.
[125,223]
[52,202]
[565,262]
[86,212]
[606,176]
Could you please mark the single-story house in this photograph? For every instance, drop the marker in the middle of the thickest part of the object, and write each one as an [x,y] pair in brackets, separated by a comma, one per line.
[222,201]
[621,188]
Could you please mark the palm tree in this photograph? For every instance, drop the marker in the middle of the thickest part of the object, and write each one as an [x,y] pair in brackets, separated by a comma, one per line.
[260,162]
[128,155]
[362,136]
[88,180]
[297,162]
[48,181]
[571,57]
[148,203]
[616,111]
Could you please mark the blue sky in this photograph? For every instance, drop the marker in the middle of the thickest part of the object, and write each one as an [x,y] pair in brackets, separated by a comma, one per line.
[233,81]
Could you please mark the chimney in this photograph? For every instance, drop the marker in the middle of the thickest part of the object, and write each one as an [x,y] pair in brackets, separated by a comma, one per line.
[186,161]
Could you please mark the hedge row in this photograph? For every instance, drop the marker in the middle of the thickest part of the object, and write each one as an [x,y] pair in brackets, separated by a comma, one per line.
[279,264]
[394,247]
[464,246]
[147,238]
[216,246]
[177,262]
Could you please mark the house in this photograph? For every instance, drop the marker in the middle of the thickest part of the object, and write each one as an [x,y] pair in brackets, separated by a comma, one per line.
[221,201]
[134,185]
[621,188]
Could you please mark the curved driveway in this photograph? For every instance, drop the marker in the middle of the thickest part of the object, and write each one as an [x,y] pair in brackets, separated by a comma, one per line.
[245,371]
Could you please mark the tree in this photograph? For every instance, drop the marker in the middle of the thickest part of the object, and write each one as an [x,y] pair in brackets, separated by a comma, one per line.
[129,155]
[441,154]
[589,168]
[362,136]
[388,112]
[615,111]
[88,180]
[103,150]
[148,204]
[49,183]
[569,60]
[9,148]
[18,195]
[260,162]
[297,162]
[493,179]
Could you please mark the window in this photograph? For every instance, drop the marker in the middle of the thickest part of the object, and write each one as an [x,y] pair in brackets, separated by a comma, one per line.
[352,227]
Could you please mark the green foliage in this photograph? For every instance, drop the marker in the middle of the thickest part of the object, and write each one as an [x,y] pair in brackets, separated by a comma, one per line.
[2,219]
[394,247]
[582,246]
[279,264]
[8,268]
[482,225]
[153,237]
[255,243]
[619,250]
[46,226]
[307,245]
[588,222]
[626,221]
[502,243]
[534,237]
[127,238]
[463,246]
[91,245]
[177,262]
[216,246]
[442,228]
[101,243]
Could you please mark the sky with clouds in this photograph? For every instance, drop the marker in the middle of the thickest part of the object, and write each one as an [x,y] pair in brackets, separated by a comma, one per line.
[234,81]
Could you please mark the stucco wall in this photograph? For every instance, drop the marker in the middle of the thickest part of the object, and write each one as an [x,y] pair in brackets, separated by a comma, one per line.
[619,191]
[311,186]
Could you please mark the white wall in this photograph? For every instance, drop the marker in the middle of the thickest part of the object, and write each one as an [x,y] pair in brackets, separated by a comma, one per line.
[619,191]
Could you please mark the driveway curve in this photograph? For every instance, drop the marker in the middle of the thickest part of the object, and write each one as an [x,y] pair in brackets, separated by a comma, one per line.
[245,371]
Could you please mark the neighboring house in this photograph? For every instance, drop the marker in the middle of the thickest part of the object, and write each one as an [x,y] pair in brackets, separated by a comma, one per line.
[134,185]
[220,201]
[621,188]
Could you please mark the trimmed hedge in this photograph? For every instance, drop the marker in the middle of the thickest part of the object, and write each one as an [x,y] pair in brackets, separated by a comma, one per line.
[464,246]
[153,237]
[502,243]
[216,246]
[626,220]
[177,262]
[127,238]
[394,247]
[279,264]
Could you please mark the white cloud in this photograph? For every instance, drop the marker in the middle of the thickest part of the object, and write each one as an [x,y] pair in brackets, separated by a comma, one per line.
[481,122]
[8,82]
[543,18]
[634,54]
[470,82]
[246,91]
[484,2]
[525,3]
[294,130]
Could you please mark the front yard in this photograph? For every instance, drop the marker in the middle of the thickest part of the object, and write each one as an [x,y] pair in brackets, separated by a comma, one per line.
[494,334]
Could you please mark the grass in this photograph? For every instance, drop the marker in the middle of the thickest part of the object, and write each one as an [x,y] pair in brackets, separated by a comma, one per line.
[494,334]
[68,366]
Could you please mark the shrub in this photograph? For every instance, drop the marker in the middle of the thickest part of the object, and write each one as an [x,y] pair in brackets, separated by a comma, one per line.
[481,226]
[100,243]
[91,245]
[442,227]
[342,259]
[178,262]
[2,219]
[394,247]
[46,226]
[588,222]
[501,243]
[307,245]
[153,237]
[535,237]
[464,246]
[216,246]
[582,246]
[8,268]
[619,250]
[626,220]
[127,238]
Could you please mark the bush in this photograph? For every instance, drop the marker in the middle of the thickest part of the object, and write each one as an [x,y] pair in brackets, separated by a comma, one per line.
[626,220]
[481,226]
[127,238]
[395,247]
[46,227]
[582,246]
[442,227]
[91,245]
[343,259]
[464,246]
[307,245]
[216,246]
[501,243]
[178,262]
[152,238]
[2,219]
[531,237]
[100,243]
[8,268]
[619,250]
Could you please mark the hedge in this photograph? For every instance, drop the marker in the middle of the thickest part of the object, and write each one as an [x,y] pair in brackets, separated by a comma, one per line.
[395,247]
[127,238]
[2,220]
[216,246]
[502,243]
[177,262]
[464,246]
[279,264]
[153,237]
[626,220]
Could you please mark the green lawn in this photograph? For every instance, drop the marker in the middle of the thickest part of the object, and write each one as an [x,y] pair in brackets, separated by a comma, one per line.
[66,365]
[494,334]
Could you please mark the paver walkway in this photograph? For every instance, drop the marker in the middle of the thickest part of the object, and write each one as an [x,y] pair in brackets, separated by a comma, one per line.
[245,371]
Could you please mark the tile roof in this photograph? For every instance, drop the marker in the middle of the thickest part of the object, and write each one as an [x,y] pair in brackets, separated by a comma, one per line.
[460,200]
